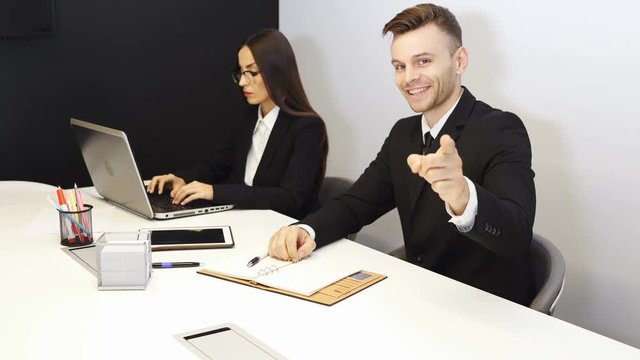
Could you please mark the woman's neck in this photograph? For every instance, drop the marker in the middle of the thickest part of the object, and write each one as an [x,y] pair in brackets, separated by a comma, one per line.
[266,107]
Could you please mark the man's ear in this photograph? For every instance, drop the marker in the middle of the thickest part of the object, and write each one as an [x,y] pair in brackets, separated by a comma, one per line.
[461,57]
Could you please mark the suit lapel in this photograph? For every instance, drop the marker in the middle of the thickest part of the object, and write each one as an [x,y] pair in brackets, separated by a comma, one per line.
[453,127]
[458,118]
[414,182]
[275,139]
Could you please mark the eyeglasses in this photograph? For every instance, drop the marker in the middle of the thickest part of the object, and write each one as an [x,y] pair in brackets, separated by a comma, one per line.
[248,74]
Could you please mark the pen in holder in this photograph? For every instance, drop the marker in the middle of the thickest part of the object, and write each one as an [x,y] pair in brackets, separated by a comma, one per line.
[75,226]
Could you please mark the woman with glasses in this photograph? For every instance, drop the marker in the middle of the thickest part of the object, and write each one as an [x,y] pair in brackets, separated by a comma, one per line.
[276,160]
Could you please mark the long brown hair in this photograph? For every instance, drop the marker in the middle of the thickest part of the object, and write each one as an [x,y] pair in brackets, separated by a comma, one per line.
[277,64]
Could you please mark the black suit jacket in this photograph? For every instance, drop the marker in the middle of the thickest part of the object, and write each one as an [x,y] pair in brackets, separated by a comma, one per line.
[289,174]
[496,154]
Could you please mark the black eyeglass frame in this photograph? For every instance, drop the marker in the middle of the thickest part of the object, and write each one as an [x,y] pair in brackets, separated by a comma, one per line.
[236,75]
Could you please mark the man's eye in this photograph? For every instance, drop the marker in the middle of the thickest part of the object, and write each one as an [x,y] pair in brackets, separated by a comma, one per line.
[399,67]
[424,61]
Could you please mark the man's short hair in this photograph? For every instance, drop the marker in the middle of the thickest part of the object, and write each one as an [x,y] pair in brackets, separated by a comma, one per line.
[420,15]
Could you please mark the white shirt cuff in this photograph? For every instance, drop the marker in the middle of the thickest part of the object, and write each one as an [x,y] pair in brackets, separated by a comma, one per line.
[465,222]
[308,229]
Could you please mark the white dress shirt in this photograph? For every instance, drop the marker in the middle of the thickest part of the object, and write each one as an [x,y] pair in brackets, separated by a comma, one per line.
[465,221]
[261,134]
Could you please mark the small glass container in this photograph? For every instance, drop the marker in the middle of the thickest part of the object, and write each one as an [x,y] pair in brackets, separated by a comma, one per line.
[123,260]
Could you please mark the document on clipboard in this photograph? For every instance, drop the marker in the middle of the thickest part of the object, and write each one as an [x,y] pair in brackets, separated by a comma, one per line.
[327,276]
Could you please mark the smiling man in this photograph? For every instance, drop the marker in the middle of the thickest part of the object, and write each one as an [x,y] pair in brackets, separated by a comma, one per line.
[459,173]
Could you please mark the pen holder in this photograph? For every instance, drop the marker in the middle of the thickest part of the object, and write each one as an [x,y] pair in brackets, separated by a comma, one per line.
[75,227]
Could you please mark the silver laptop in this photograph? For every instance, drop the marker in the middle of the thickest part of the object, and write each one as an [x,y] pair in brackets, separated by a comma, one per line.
[115,175]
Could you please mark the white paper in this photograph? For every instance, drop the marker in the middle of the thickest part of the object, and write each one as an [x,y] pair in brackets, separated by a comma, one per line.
[323,268]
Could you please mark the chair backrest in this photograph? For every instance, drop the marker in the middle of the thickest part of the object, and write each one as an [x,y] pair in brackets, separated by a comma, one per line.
[332,186]
[548,274]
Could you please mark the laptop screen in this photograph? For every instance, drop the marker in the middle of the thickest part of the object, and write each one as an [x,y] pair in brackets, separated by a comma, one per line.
[113,170]
[111,165]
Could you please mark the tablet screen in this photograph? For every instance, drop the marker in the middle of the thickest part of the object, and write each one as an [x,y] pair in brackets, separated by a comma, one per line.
[187,236]
[191,238]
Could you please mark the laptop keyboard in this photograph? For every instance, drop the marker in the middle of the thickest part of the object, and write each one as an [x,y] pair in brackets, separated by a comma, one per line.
[162,203]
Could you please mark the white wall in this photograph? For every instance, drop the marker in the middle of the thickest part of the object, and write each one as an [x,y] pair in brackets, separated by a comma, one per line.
[568,69]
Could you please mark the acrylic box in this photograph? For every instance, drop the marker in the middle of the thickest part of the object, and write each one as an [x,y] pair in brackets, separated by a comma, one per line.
[123,260]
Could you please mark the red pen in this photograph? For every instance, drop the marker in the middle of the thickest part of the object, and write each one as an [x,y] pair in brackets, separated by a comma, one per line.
[62,201]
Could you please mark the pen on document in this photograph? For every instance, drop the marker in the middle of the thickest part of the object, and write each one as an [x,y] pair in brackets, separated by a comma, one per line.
[256,259]
[179,264]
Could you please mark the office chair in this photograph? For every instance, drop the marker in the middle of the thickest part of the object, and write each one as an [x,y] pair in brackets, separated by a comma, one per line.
[548,273]
[332,186]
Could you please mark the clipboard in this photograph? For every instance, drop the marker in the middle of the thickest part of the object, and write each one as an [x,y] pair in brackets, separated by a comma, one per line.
[328,295]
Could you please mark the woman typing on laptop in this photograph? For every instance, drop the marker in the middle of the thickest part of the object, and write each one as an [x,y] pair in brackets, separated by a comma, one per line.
[276,160]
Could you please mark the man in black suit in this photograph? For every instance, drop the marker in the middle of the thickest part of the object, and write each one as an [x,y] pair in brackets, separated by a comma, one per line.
[466,200]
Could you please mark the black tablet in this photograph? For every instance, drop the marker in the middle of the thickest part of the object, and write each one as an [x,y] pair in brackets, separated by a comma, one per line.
[210,237]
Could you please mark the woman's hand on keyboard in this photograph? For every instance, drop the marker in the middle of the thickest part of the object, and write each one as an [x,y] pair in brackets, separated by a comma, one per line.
[169,181]
[192,191]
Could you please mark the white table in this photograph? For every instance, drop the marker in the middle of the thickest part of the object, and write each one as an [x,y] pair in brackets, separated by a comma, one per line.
[50,306]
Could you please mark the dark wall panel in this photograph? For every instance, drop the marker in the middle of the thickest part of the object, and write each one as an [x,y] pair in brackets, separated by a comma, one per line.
[159,70]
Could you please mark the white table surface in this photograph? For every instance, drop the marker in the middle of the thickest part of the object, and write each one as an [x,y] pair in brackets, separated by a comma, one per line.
[50,306]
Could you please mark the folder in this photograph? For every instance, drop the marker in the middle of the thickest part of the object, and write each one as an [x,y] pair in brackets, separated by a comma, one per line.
[328,295]
[327,276]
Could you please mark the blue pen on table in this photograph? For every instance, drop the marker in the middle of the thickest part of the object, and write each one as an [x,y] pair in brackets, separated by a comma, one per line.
[68,216]
[256,259]
[177,264]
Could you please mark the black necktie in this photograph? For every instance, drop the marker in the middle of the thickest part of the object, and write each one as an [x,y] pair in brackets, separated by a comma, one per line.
[428,140]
